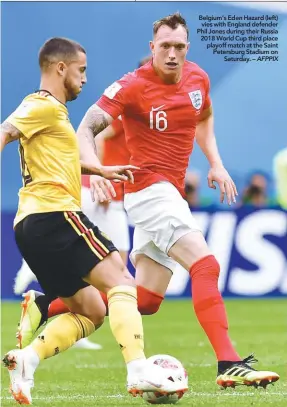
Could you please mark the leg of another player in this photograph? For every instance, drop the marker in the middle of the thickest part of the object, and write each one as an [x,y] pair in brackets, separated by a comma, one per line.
[192,252]
[24,277]
[87,314]
[113,278]
[152,280]
[80,305]
[58,336]
[36,309]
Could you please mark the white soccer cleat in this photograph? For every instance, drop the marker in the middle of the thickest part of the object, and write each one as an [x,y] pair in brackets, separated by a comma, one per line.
[153,379]
[21,376]
[23,279]
[85,343]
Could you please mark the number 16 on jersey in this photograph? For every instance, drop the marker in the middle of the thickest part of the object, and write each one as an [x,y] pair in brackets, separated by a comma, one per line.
[157,119]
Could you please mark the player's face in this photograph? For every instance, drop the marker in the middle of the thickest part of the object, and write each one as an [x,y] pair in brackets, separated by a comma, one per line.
[75,77]
[169,48]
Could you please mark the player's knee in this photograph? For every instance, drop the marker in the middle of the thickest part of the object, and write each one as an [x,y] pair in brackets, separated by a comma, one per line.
[115,273]
[121,277]
[148,301]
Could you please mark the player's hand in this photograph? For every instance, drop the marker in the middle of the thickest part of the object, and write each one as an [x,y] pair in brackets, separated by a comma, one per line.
[101,189]
[119,172]
[225,183]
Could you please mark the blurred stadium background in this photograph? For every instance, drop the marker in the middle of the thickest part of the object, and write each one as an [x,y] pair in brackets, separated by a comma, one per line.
[250,239]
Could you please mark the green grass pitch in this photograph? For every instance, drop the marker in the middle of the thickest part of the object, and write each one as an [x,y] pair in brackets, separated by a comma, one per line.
[79,378]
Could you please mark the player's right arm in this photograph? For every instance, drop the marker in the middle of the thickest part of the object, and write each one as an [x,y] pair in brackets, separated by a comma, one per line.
[110,106]
[97,118]
[109,132]
[9,133]
[101,191]
[94,121]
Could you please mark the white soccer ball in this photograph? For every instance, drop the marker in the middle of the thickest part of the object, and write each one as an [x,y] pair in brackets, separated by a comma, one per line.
[174,371]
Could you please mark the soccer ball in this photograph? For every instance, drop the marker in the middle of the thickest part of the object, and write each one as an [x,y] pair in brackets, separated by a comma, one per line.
[174,371]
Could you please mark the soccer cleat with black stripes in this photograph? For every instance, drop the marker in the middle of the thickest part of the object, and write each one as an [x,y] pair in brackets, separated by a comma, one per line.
[231,374]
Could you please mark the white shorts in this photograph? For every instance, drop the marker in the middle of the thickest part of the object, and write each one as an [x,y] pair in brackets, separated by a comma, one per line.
[161,217]
[113,221]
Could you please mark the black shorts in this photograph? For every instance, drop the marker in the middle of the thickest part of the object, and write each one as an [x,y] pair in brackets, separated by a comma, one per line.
[61,248]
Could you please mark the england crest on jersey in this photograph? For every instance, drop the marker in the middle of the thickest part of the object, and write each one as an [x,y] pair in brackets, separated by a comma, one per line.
[196,99]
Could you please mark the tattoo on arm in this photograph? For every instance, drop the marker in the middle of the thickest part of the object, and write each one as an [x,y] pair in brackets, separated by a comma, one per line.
[94,121]
[10,132]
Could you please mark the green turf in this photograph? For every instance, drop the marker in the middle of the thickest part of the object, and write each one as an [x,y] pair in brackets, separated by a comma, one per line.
[97,378]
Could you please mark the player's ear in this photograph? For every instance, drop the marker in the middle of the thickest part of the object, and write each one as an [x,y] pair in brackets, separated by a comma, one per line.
[61,68]
[151,46]
[188,44]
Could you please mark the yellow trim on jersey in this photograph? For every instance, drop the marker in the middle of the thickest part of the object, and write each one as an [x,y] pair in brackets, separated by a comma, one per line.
[83,235]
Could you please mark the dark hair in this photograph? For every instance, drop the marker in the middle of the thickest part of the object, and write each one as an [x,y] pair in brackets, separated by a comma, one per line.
[58,49]
[144,60]
[172,21]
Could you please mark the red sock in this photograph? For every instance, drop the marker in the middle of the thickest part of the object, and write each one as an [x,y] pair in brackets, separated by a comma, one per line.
[209,307]
[148,301]
[57,307]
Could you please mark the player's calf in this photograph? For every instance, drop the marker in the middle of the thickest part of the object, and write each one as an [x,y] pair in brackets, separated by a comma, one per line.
[112,277]
[87,302]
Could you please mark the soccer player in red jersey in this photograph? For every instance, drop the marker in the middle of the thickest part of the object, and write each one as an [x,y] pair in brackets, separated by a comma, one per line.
[165,105]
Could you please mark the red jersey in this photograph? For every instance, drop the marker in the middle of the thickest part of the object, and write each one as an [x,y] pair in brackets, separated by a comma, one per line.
[159,121]
[115,153]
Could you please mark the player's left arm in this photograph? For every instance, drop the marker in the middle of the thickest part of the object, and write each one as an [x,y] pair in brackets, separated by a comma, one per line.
[9,133]
[206,140]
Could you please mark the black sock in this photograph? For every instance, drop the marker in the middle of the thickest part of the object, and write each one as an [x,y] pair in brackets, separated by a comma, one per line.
[43,301]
